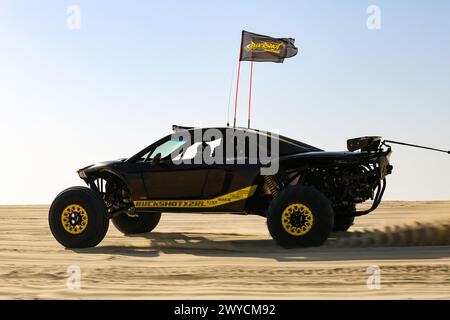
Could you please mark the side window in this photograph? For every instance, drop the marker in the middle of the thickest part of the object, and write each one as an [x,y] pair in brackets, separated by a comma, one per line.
[213,145]
[193,150]
[190,152]
[166,148]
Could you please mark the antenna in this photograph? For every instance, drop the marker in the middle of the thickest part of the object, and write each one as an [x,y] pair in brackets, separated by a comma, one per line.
[416,146]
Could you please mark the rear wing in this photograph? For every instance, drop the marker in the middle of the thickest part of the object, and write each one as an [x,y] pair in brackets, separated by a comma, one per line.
[371,143]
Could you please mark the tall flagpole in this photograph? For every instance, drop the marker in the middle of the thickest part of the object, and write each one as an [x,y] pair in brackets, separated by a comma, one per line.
[237,93]
[237,81]
[250,93]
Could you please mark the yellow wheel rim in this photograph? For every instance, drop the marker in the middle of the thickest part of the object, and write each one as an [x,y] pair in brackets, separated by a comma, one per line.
[297,219]
[74,219]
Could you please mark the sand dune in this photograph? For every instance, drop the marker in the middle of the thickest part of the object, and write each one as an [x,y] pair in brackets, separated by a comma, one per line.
[225,256]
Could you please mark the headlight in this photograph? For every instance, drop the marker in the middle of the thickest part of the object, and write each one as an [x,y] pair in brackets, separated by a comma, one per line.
[82,174]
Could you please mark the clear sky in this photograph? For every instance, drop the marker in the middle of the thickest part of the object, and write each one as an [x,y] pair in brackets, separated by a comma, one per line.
[69,98]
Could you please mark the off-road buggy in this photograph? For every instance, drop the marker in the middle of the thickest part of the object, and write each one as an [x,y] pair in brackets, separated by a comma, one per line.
[312,193]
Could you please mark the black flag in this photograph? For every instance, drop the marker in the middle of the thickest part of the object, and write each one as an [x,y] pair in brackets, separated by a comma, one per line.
[256,47]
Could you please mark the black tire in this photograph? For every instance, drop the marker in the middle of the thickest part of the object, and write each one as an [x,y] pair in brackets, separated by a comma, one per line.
[342,223]
[296,198]
[142,223]
[87,207]
[342,220]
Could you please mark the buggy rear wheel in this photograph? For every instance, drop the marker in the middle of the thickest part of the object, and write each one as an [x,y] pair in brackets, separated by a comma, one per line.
[78,218]
[300,216]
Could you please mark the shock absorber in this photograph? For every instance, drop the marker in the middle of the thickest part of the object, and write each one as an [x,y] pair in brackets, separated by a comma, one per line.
[271,184]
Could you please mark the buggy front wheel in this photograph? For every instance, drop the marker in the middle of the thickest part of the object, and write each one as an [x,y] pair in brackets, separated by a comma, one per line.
[78,218]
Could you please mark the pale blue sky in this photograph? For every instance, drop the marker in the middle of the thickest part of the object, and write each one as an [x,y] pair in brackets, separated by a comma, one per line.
[71,98]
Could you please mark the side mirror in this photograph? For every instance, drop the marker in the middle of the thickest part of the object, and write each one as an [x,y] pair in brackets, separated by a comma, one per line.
[156,160]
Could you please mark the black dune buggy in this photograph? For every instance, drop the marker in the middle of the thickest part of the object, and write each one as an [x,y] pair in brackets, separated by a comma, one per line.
[312,194]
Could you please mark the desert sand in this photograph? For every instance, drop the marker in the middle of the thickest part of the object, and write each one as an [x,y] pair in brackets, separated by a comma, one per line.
[219,257]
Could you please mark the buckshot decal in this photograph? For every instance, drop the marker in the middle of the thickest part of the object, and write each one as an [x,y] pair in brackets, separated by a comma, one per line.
[234,196]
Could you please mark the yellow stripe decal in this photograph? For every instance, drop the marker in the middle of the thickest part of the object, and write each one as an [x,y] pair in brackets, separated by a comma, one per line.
[234,196]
